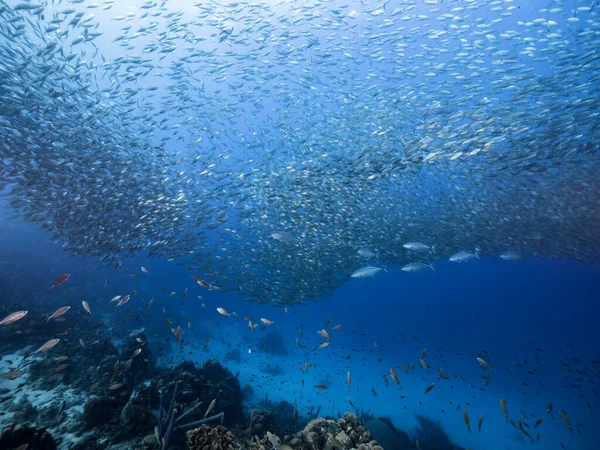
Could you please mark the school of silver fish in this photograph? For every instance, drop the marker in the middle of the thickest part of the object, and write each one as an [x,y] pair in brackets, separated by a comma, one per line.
[278,147]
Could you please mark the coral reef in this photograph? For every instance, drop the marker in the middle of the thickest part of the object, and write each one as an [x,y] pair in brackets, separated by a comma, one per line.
[320,434]
[207,438]
[261,422]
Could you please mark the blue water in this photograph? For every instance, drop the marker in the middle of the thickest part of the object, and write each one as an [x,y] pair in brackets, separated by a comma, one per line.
[535,321]
[534,315]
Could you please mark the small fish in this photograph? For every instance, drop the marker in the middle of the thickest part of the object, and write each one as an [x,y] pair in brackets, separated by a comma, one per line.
[322,387]
[267,321]
[349,380]
[86,306]
[417,267]
[223,311]
[429,388]
[177,333]
[464,256]
[503,407]
[550,409]
[60,280]
[136,352]
[47,346]
[59,312]
[144,270]
[115,386]
[395,378]
[285,237]
[480,423]
[115,298]
[466,419]
[323,333]
[12,374]
[210,407]
[117,265]
[423,364]
[419,247]
[323,344]
[368,271]
[483,363]
[337,327]
[566,420]
[538,422]
[11,318]
[123,300]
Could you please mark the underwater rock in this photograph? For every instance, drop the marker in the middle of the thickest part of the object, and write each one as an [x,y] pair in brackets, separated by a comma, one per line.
[389,437]
[211,382]
[135,417]
[233,355]
[141,365]
[102,410]
[283,413]
[24,411]
[272,343]
[208,438]
[261,422]
[15,435]
[431,435]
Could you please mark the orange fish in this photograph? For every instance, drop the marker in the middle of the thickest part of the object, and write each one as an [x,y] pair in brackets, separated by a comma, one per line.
[59,312]
[47,346]
[177,333]
[466,418]
[60,280]
[18,315]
